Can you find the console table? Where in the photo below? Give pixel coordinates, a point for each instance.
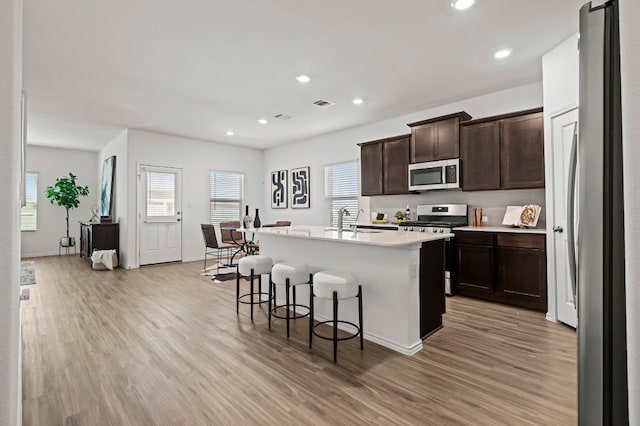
(98, 236)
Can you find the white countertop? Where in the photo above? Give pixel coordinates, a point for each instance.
(373, 237)
(502, 229)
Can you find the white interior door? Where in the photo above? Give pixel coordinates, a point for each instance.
(563, 127)
(160, 214)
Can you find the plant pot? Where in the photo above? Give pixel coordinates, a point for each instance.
(68, 242)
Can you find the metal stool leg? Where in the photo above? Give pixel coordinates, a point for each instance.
(251, 294)
(270, 293)
(294, 301)
(260, 288)
(310, 314)
(360, 316)
(287, 285)
(237, 290)
(335, 326)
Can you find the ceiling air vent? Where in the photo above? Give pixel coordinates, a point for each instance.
(282, 116)
(323, 103)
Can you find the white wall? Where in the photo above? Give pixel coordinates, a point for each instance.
(51, 163)
(196, 158)
(118, 147)
(560, 75)
(630, 62)
(342, 146)
(560, 68)
(10, 85)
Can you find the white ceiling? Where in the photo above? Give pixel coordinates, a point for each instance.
(198, 68)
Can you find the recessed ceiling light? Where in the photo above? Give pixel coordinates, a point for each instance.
(230, 133)
(358, 101)
(503, 53)
(462, 4)
(262, 121)
(303, 78)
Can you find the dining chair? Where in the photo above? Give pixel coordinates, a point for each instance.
(211, 243)
(229, 236)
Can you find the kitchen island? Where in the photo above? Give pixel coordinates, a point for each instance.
(401, 273)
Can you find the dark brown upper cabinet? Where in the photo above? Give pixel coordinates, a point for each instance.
(384, 166)
(503, 152)
(371, 169)
(480, 156)
(522, 152)
(437, 138)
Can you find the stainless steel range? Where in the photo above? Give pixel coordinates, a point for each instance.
(440, 218)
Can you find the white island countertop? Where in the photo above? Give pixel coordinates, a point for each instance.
(502, 229)
(372, 237)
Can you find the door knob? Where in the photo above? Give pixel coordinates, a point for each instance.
(178, 219)
(557, 229)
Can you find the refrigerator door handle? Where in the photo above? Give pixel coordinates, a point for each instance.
(571, 198)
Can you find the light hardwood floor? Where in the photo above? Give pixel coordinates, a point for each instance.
(163, 345)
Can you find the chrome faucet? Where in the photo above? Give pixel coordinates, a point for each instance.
(341, 212)
(355, 225)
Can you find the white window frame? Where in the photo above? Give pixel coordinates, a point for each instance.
(212, 200)
(329, 218)
(35, 207)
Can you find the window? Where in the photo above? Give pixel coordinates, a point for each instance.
(226, 190)
(28, 213)
(161, 194)
(341, 190)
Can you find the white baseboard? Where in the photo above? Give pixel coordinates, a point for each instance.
(45, 254)
(551, 317)
(395, 346)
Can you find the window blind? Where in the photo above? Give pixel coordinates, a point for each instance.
(161, 194)
(226, 191)
(28, 213)
(341, 189)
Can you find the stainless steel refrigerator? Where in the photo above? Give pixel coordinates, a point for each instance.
(598, 214)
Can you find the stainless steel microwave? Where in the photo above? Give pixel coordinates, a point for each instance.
(444, 174)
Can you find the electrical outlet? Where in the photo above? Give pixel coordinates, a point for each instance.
(485, 218)
(413, 270)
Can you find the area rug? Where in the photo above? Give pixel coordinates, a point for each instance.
(27, 272)
(224, 274)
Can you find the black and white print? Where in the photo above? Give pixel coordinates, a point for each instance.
(300, 188)
(279, 189)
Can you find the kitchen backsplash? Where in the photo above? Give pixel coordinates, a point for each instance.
(493, 203)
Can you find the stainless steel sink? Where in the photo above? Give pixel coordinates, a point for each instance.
(360, 231)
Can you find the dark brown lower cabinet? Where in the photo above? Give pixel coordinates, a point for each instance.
(522, 270)
(98, 236)
(506, 268)
(432, 303)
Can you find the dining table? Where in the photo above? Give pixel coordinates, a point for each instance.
(246, 245)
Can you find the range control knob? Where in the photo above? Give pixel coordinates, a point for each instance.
(422, 229)
(434, 230)
(442, 230)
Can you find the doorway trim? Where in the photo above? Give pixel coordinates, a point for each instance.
(549, 164)
(140, 204)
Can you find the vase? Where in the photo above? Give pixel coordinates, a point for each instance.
(246, 217)
(256, 222)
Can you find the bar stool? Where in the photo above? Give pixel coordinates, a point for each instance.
(251, 266)
(289, 275)
(335, 286)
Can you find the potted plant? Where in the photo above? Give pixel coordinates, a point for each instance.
(66, 193)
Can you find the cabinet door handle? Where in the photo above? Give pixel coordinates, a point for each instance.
(557, 229)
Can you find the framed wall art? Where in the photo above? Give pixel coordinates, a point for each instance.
(279, 199)
(300, 198)
(107, 189)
